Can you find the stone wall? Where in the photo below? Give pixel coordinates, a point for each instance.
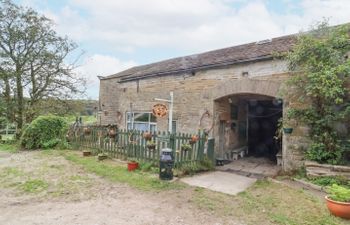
(193, 95)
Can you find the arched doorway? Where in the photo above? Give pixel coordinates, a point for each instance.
(248, 112)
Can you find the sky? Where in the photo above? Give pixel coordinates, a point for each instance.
(114, 35)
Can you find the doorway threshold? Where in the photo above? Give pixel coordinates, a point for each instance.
(254, 167)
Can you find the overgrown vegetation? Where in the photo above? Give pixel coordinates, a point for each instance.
(321, 67)
(194, 167)
(329, 181)
(8, 147)
(44, 132)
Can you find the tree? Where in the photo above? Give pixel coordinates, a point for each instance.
(321, 67)
(33, 61)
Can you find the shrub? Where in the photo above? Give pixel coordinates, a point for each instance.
(44, 132)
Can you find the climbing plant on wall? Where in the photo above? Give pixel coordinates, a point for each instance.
(320, 68)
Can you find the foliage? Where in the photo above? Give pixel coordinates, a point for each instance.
(64, 107)
(328, 181)
(44, 132)
(34, 186)
(320, 67)
(33, 59)
(8, 147)
(192, 168)
(186, 147)
(339, 193)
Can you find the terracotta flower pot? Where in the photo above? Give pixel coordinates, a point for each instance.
(132, 166)
(147, 136)
(340, 209)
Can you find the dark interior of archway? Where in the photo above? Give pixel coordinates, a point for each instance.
(263, 122)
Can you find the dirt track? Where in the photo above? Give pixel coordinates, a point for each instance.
(77, 197)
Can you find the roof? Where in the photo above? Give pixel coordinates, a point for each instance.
(255, 51)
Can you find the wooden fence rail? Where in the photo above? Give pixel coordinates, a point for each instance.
(131, 144)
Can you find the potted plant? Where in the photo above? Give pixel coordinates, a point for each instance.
(87, 130)
(132, 165)
(151, 145)
(147, 136)
(186, 147)
(112, 132)
(102, 156)
(338, 201)
(194, 139)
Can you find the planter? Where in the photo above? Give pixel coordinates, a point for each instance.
(112, 133)
(133, 166)
(86, 153)
(287, 130)
(340, 209)
(101, 156)
(151, 147)
(147, 136)
(87, 130)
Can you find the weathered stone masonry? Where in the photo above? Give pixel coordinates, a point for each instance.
(195, 92)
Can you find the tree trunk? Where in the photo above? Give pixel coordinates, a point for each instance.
(7, 96)
(20, 100)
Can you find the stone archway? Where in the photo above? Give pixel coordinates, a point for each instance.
(227, 91)
(250, 86)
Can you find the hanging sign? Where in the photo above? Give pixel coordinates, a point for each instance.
(160, 110)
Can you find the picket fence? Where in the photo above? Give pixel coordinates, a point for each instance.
(132, 145)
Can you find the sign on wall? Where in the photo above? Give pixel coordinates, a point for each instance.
(160, 110)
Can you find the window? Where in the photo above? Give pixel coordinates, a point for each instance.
(144, 121)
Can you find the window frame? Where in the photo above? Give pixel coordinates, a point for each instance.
(130, 120)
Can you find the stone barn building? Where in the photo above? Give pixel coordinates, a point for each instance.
(232, 93)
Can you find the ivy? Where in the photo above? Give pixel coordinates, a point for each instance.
(320, 69)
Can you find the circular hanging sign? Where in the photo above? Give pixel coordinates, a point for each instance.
(160, 110)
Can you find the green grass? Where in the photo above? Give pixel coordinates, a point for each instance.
(8, 147)
(7, 137)
(11, 172)
(34, 186)
(117, 173)
(268, 203)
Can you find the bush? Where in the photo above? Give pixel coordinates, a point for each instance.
(44, 132)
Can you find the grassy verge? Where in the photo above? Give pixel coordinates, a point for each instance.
(268, 203)
(113, 172)
(8, 147)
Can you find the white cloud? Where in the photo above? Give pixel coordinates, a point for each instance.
(189, 26)
(185, 26)
(100, 65)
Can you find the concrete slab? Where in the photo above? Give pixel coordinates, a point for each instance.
(227, 183)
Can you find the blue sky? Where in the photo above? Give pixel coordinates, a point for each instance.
(118, 34)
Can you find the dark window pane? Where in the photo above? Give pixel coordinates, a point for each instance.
(153, 118)
(141, 117)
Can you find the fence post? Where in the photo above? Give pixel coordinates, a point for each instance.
(172, 144)
(210, 150)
